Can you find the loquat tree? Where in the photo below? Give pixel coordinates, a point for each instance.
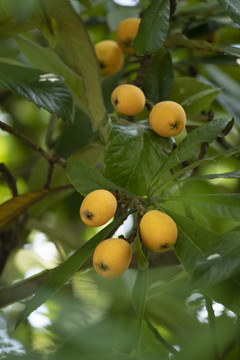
(119, 179)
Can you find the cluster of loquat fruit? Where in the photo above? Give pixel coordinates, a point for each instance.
(112, 257)
(157, 230)
(166, 118)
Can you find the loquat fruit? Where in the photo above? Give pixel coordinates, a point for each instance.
(110, 57)
(112, 257)
(167, 118)
(158, 231)
(98, 207)
(128, 99)
(126, 32)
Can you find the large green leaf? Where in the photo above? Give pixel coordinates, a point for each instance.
(192, 94)
(86, 179)
(158, 80)
(232, 8)
(64, 272)
(134, 155)
(195, 240)
(225, 206)
(222, 263)
(190, 145)
(67, 34)
(153, 28)
(44, 90)
(47, 60)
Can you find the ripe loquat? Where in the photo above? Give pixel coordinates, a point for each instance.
(110, 57)
(158, 231)
(98, 207)
(126, 32)
(112, 257)
(167, 118)
(128, 99)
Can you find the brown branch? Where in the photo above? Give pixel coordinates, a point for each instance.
(142, 70)
(9, 178)
(25, 288)
(53, 158)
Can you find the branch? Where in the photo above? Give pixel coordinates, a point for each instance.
(9, 178)
(53, 158)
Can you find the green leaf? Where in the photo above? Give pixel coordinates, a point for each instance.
(228, 175)
(190, 145)
(180, 41)
(232, 8)
(44, 90)
(71, 42)
(222, 263)
(139, 294)
(16, 206)
(64, 272)
(193, 240)
(134, 155)
(192, 94)
(15, 17)
(47, 60)
(75, 136)
(225, 206)
(153, 28)
(158, 81)
(86, 179)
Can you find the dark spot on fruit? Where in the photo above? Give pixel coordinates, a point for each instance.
(175, 126)
(164, 246)
(128, 42)
(103, 267)
(102, 65)
(116, 102)
(88, 215)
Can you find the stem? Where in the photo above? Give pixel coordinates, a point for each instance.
(159, 337)
(9, 178)
(212, 326)
(48, 156)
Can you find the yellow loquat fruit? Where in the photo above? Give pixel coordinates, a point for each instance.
(98, 207)
(167, 118)
(112, 257)
(126, 32)
(128, 99)
(110, 57)
(158, 231)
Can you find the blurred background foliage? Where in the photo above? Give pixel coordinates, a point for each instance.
(90, 317)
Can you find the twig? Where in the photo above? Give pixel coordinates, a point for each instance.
(142, 70)
(9, 178)
(48, 156)
(159, 337)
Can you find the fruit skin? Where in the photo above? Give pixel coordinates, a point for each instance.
(158, 231)
(98, 207)
(110, 57)
(112, 257)
(126, 32)
(167, 118)
(128, 99)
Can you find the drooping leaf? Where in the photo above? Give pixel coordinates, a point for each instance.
(64, 272)
(15, 17)
(159, 77)
(222, 263)
(227, 175)
(134, 154)
(16, 206)
(153, 28)
(70, 40)
(86, 179)
(193, 242)
(44, 90)
(192, 94)
(232, 8)
(190, 145)
(47, 60)
(225, 206)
